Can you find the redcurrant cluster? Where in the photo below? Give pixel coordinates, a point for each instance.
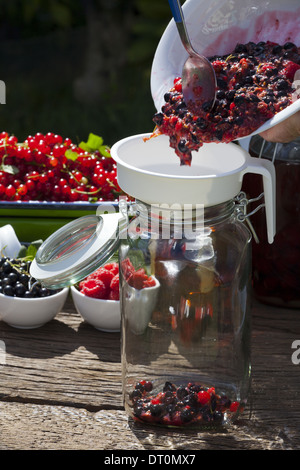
(51, 168)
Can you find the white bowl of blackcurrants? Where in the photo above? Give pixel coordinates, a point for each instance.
(24, 302)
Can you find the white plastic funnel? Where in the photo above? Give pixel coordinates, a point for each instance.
(149, 171)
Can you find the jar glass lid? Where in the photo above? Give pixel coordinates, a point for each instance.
(76, 250)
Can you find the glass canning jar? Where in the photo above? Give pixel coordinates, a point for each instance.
(186, 337)
(276, 267)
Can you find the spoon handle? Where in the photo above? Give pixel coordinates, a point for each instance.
(181, 26)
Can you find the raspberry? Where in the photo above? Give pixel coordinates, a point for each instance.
(114, 295)
(102, 283)
(127, 268)
(114, 267)
(103, 275)
(290, 70)
(94, 288)
(114, 285)
(137, 279)
(150, 282)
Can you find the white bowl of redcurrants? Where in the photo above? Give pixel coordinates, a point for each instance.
(24, 303)
(96, 298)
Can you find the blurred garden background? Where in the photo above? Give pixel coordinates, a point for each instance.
(78, 66)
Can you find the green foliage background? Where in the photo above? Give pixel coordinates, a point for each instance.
(45, 46)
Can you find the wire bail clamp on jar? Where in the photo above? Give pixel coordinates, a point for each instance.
(242, 203)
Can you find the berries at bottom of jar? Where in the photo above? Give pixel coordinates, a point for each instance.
(190, 405)
(15, 280)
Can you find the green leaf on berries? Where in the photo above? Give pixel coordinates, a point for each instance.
(11, 169)
(105, 150)
(84, 146)
(70, 155)
(31, 252)
(28, 252)
(94, 141)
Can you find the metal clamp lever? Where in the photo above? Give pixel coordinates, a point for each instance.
(241, 210)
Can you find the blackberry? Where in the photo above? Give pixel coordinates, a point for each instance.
(220, 94)
(181, 107)
(158, 118)
(138, 410)
(195, 388)
(169, 387)
(289, 46)
(190, 399)
(186, 415)
(222, 84)
(206, 106)
(194, 138)
(201, 123)
(282, 85)
(135, 394)
(241, 48)
(258, 50)
(218, 417)
(277, 49)
(238, 120)
(169, 397)
(181, 392)
(182, 146)
(170, 409)
(248, 80)
(156, 409)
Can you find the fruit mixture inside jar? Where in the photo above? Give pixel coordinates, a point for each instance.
(181, 406)
(254, 82)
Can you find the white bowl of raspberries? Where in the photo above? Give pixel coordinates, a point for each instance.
(96, 298)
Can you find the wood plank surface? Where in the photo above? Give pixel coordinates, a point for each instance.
(61, 389)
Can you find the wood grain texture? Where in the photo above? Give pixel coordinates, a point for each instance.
(60, 389)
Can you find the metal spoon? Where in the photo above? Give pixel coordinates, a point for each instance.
(198, 76)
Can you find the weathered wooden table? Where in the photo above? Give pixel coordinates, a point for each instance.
(60, 389)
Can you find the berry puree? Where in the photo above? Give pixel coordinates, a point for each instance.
(254, 82)
(182, 406)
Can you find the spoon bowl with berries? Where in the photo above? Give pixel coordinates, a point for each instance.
(198, 75)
